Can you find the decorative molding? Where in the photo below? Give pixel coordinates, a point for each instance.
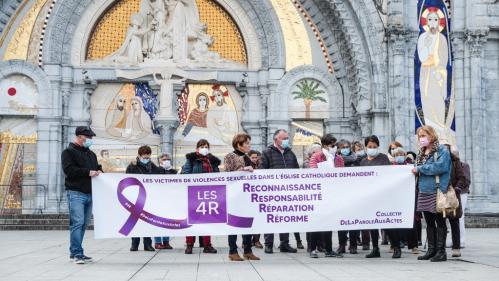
(476, 39)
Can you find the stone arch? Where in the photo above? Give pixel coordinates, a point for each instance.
(63, 29)
(358, 59)
(280, 100)
(36, 74)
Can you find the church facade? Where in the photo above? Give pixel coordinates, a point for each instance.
(167, 73)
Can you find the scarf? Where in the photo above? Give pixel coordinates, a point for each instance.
(422, 157)
(247, 160)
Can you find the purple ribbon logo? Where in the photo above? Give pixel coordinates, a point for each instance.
(137, 211)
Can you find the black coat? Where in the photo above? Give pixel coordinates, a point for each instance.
(272, 158)
(77, 162)
(194, 164)
(137, 167)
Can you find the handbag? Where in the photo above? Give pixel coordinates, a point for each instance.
(447, 203)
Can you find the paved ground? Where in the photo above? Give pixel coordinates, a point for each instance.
(42, 255)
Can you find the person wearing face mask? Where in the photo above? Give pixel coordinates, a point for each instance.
(360, 152)
(199, 162)
(165, 164)
(143, 165)
(459, 181)
(279, 156)
(80, 165)
(433, 160)
(238, 160)
(256, 163)
(351, 160)
(327, 153)
(409, 234)
(375, 158)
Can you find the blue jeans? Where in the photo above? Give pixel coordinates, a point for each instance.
(160, 240)
(80, 211)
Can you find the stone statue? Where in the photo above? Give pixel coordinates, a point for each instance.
(168, 33)
(131, 49)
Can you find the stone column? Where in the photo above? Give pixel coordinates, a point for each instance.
(458, 40)
(398, 92)
(480, 192)
(168, 123)
(251, 111)
(49, 141)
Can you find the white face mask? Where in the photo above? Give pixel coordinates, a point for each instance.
(167, 164)
(204, 151)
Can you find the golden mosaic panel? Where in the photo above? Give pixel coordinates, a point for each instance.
(111, 29)
(19, 43)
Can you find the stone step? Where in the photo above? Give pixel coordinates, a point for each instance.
(36, 222)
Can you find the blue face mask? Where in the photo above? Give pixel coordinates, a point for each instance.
(88, 143)
(345, 151)
(145, 161)
(373, 152)
(285, 143)
(400, 159)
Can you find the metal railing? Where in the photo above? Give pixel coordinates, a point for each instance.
(33, 199)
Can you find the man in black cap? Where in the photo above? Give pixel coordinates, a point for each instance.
(79, 164)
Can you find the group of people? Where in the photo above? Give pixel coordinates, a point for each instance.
(436, 166)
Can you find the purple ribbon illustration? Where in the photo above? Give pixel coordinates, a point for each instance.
(137, 210)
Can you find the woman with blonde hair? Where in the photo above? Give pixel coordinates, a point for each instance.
(433, 163)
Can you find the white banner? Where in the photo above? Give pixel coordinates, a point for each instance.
(265, 201)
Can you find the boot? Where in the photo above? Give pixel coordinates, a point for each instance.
(235, 257)
(441, 254)
(431, 235)
(209, 250)
(251, 257)
(188, 250)
(374, 253)
(341, 249)
(299, 245)
(397, 253)
(159, 246)
(148, 248)
(167, 246)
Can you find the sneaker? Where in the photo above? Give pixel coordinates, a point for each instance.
(286, 248)
(87, 259)
(313, 254)
(299, 245)
(415, 251)
(79, 260)
(333, 254)
(456, 253)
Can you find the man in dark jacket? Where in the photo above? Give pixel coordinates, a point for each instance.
(79, 164)
(143, 165)
(279, 156)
